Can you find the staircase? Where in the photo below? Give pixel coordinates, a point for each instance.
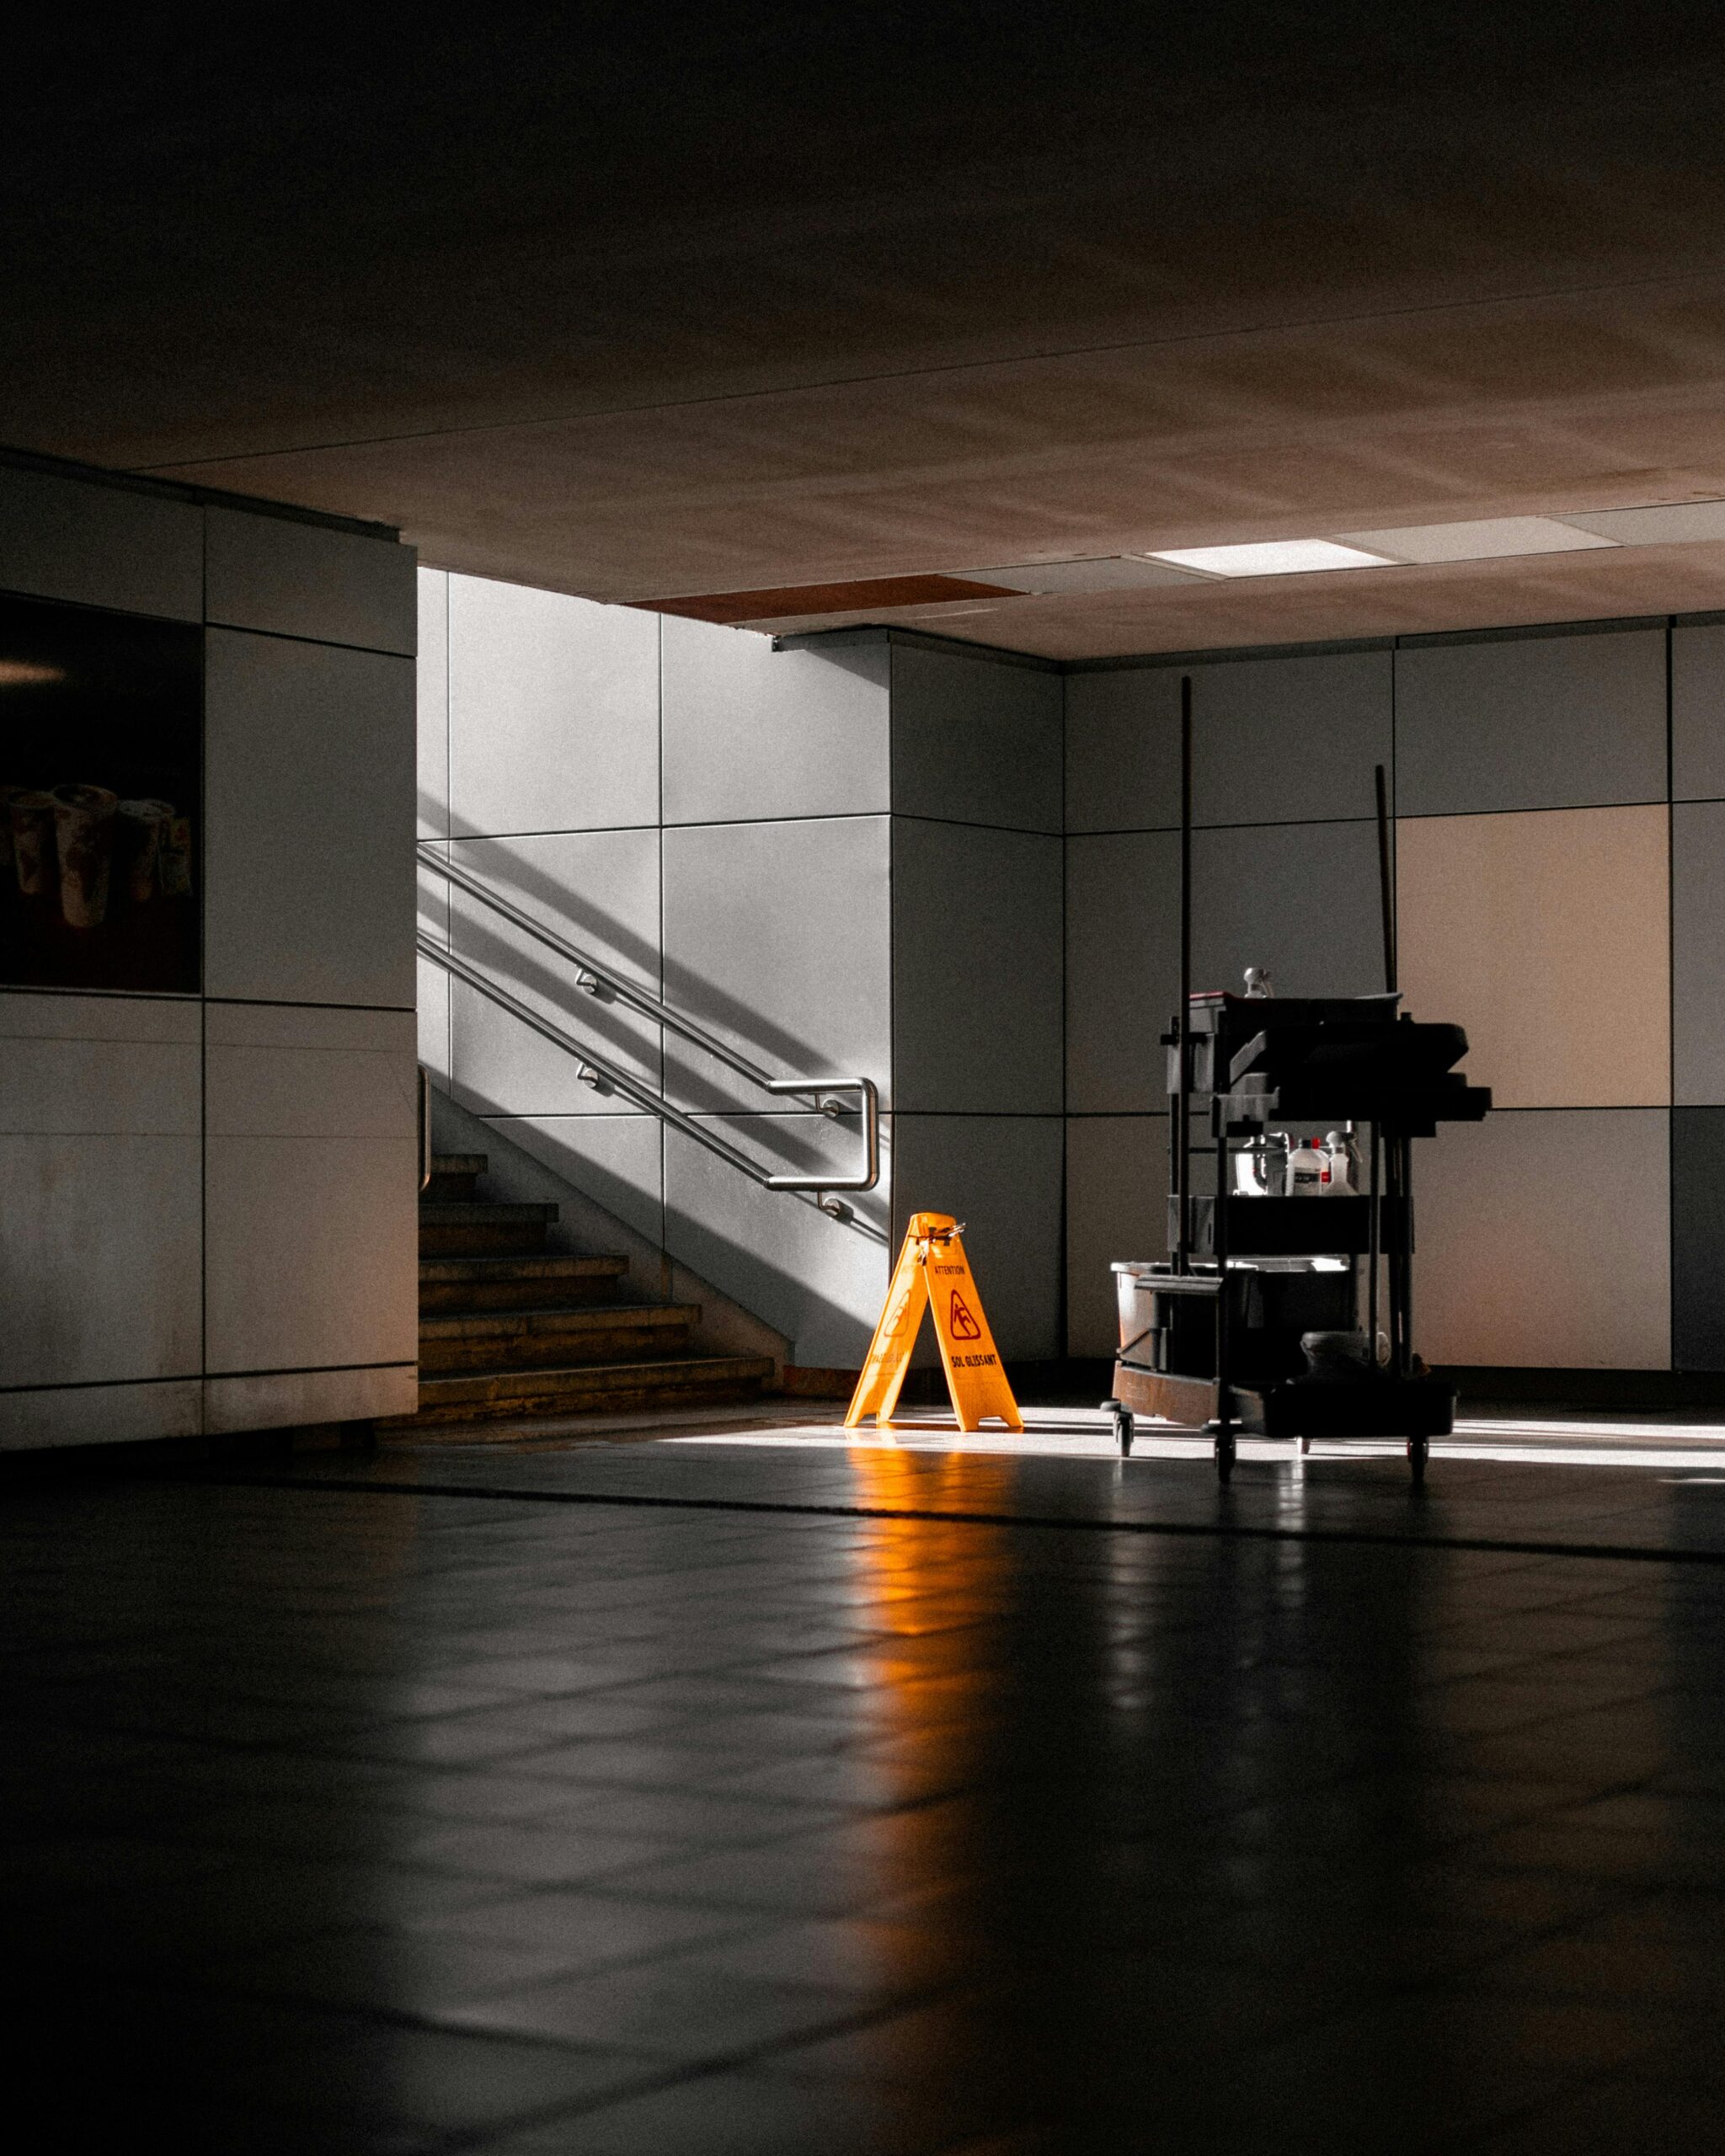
(509, 1329)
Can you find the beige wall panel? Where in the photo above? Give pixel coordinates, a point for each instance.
(1544, 1240)
(1547, 935)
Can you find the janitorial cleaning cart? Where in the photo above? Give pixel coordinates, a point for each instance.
(1286, 1309)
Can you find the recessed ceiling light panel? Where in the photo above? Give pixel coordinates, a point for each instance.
(1272, 557)
(1482, 539)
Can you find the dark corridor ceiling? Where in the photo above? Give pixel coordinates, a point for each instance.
(641, 309)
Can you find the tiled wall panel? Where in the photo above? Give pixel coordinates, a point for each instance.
(96, 546)
(294, 579)
(309, 784)
(311, 1173)
(1117, 1191)
(432, 673)
(1290, 740)
(976, 969)
(819, 1281)
(1698, 1239)
(1274, 741)
(750, 731)
(1300, 900)
(976, 740)
(1545, 1241)
(1698, 712)
(1552, 722)
(1122, 956)
(1123, 750)
(600, 892)
(100, 1189)
(553, 711)
(1698, 954)
(1000, 1176)
(776, 939)
(616, 1160)
(1546, 937)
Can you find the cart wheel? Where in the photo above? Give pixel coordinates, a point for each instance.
(1224, 1458)
(1123, 1432)
(1418, 1449)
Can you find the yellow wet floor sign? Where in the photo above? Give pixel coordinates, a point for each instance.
(934, 1273)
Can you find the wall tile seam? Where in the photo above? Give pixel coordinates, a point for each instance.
(1258, 823)
(319, 643)
(102, 606)
(561, 831)
(289, 1370)
(298, 1003)
(102, 1385)
(970, 824)
(188, 997)
(195, 1377)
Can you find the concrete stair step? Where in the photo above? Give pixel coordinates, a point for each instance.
(453, 1176)
(472, 1227)
(587, 1388)
(475, 1341)
(516, 1283)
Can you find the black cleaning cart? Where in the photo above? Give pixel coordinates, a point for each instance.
(1268, 1319)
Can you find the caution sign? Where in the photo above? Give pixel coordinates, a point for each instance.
(934, 1273)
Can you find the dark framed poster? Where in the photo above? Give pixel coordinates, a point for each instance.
(101, 799)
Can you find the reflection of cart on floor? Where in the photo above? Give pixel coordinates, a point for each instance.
(1290, 1315)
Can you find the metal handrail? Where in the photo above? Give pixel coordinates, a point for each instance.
(595, 1069)
(595, 976)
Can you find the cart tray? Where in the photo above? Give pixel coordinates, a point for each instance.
(1299, 1408)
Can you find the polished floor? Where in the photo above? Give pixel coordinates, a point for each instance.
(745, 1790)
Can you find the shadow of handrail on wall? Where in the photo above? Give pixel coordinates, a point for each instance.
(572, 913)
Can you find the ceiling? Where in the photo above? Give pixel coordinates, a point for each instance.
(804, 298)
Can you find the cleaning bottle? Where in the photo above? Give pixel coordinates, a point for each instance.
(1337, 1180)
(1305, 1168)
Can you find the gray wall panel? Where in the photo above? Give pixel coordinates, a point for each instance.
(616, 1160)
(311, 1173)
(1698, 712)
(432, 673)
(599, 890)
(777, 937)
(1290, 740)
(1563, 722)
(1123, 750)
(1117, 1206)
(975, 740)
(100, 1189)
(1002, 1176)
(294, 579)
(309, 791)
(1698, 954)
(553, 711)
(818, 1281)
(1698, 1239)
(1299, 898)
(100, 546)
(1122, 958)
(976, 969)
(751, 732)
